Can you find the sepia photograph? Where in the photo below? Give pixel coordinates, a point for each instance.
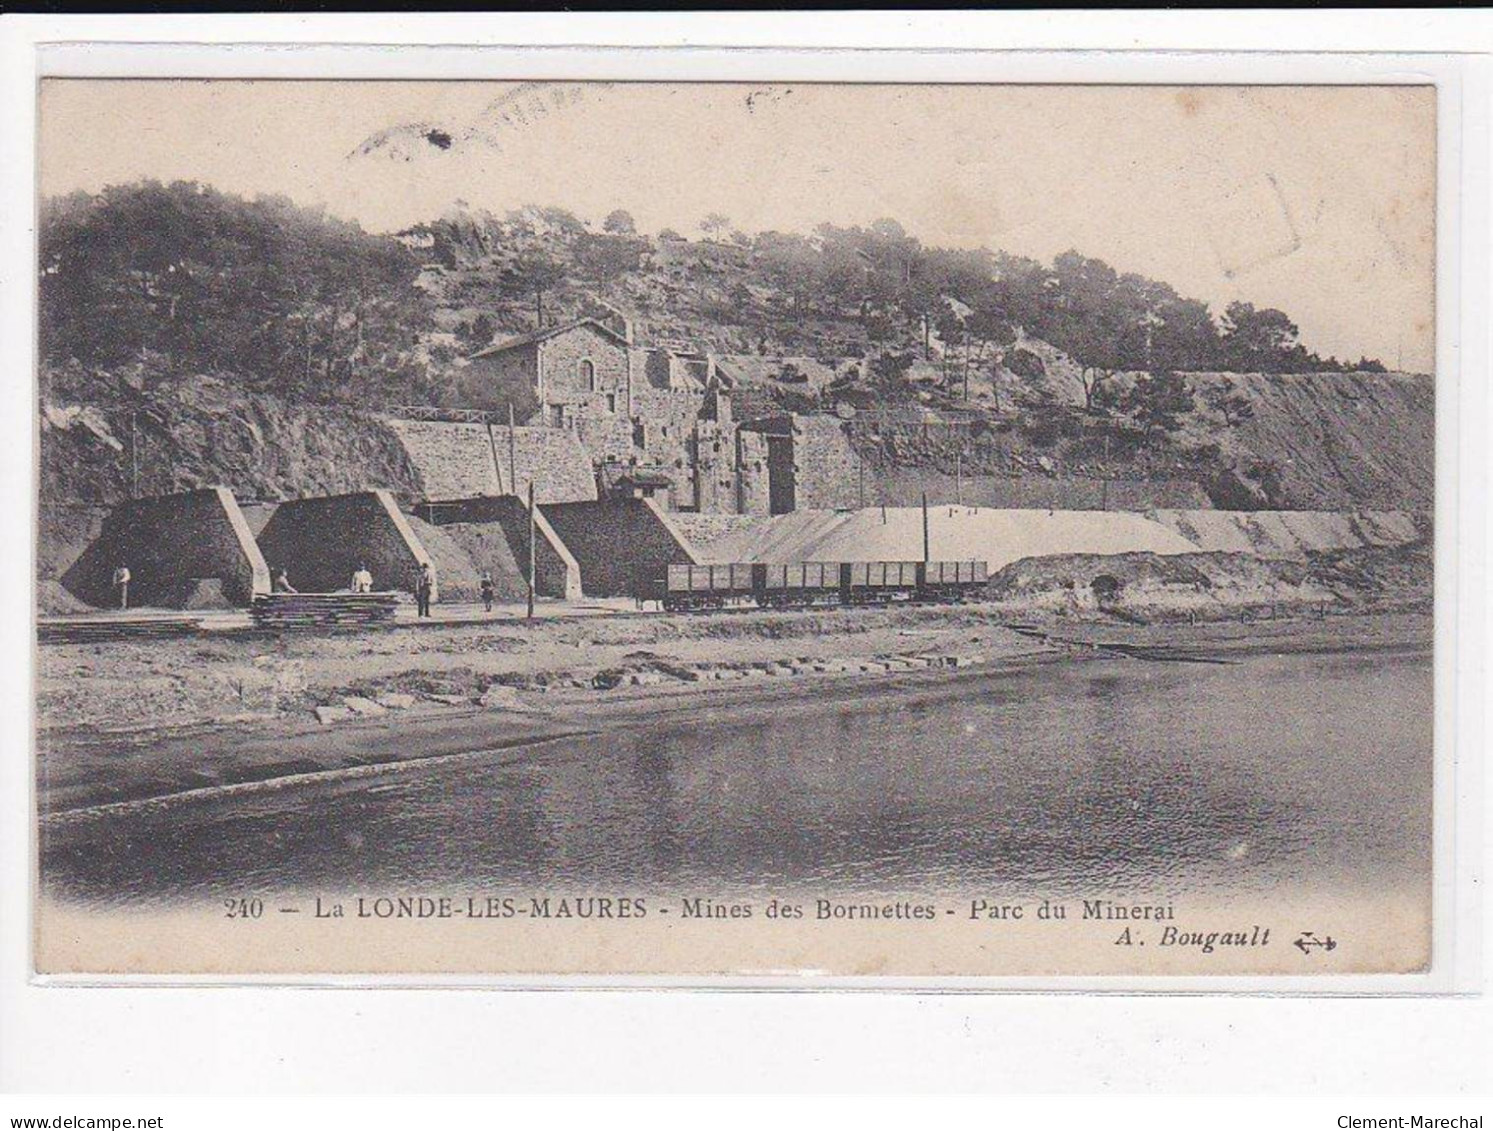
(732, 530)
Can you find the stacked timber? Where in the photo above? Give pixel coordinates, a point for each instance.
(111, 631)
(283, 612)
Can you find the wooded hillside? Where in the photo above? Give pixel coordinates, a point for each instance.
(168, 304)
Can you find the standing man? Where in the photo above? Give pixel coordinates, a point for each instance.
(122, 583)
(362, 580)
(423, 588)
(487, 590)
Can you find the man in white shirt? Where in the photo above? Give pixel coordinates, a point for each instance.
(122, 583)
(362, 580)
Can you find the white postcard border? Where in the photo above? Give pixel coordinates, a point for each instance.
(1462, 409)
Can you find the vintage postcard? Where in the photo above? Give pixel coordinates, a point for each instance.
(710, 529)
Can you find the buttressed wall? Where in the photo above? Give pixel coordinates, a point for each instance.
(320, 542)
(556, 572)
(494, 531)
(616, 541)
(169, 542)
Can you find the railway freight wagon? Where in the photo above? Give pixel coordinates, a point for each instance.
(802, 584)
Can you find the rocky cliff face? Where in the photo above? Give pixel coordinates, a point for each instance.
(205, 431)
(1338, 441)
(1318, 441)
(1327, 441)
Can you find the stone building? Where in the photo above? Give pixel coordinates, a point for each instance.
(655, 409)
(795, 461)
(562, 377)
(663, 414)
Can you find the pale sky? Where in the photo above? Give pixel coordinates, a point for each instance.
(1316, 200)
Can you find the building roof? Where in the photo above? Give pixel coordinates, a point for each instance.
(534, 336)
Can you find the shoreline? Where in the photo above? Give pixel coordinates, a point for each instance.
(90, 770)
(378, 743)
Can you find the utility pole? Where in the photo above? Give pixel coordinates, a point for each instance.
(532, 532)
(512, 457)
(959, 478)
(860, 463)
(134, 459)
(925, 528)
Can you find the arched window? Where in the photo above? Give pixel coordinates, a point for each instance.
(588, 375)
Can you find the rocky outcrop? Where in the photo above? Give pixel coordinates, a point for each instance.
(1324, 441)
(207, 430)
(1204, 586)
